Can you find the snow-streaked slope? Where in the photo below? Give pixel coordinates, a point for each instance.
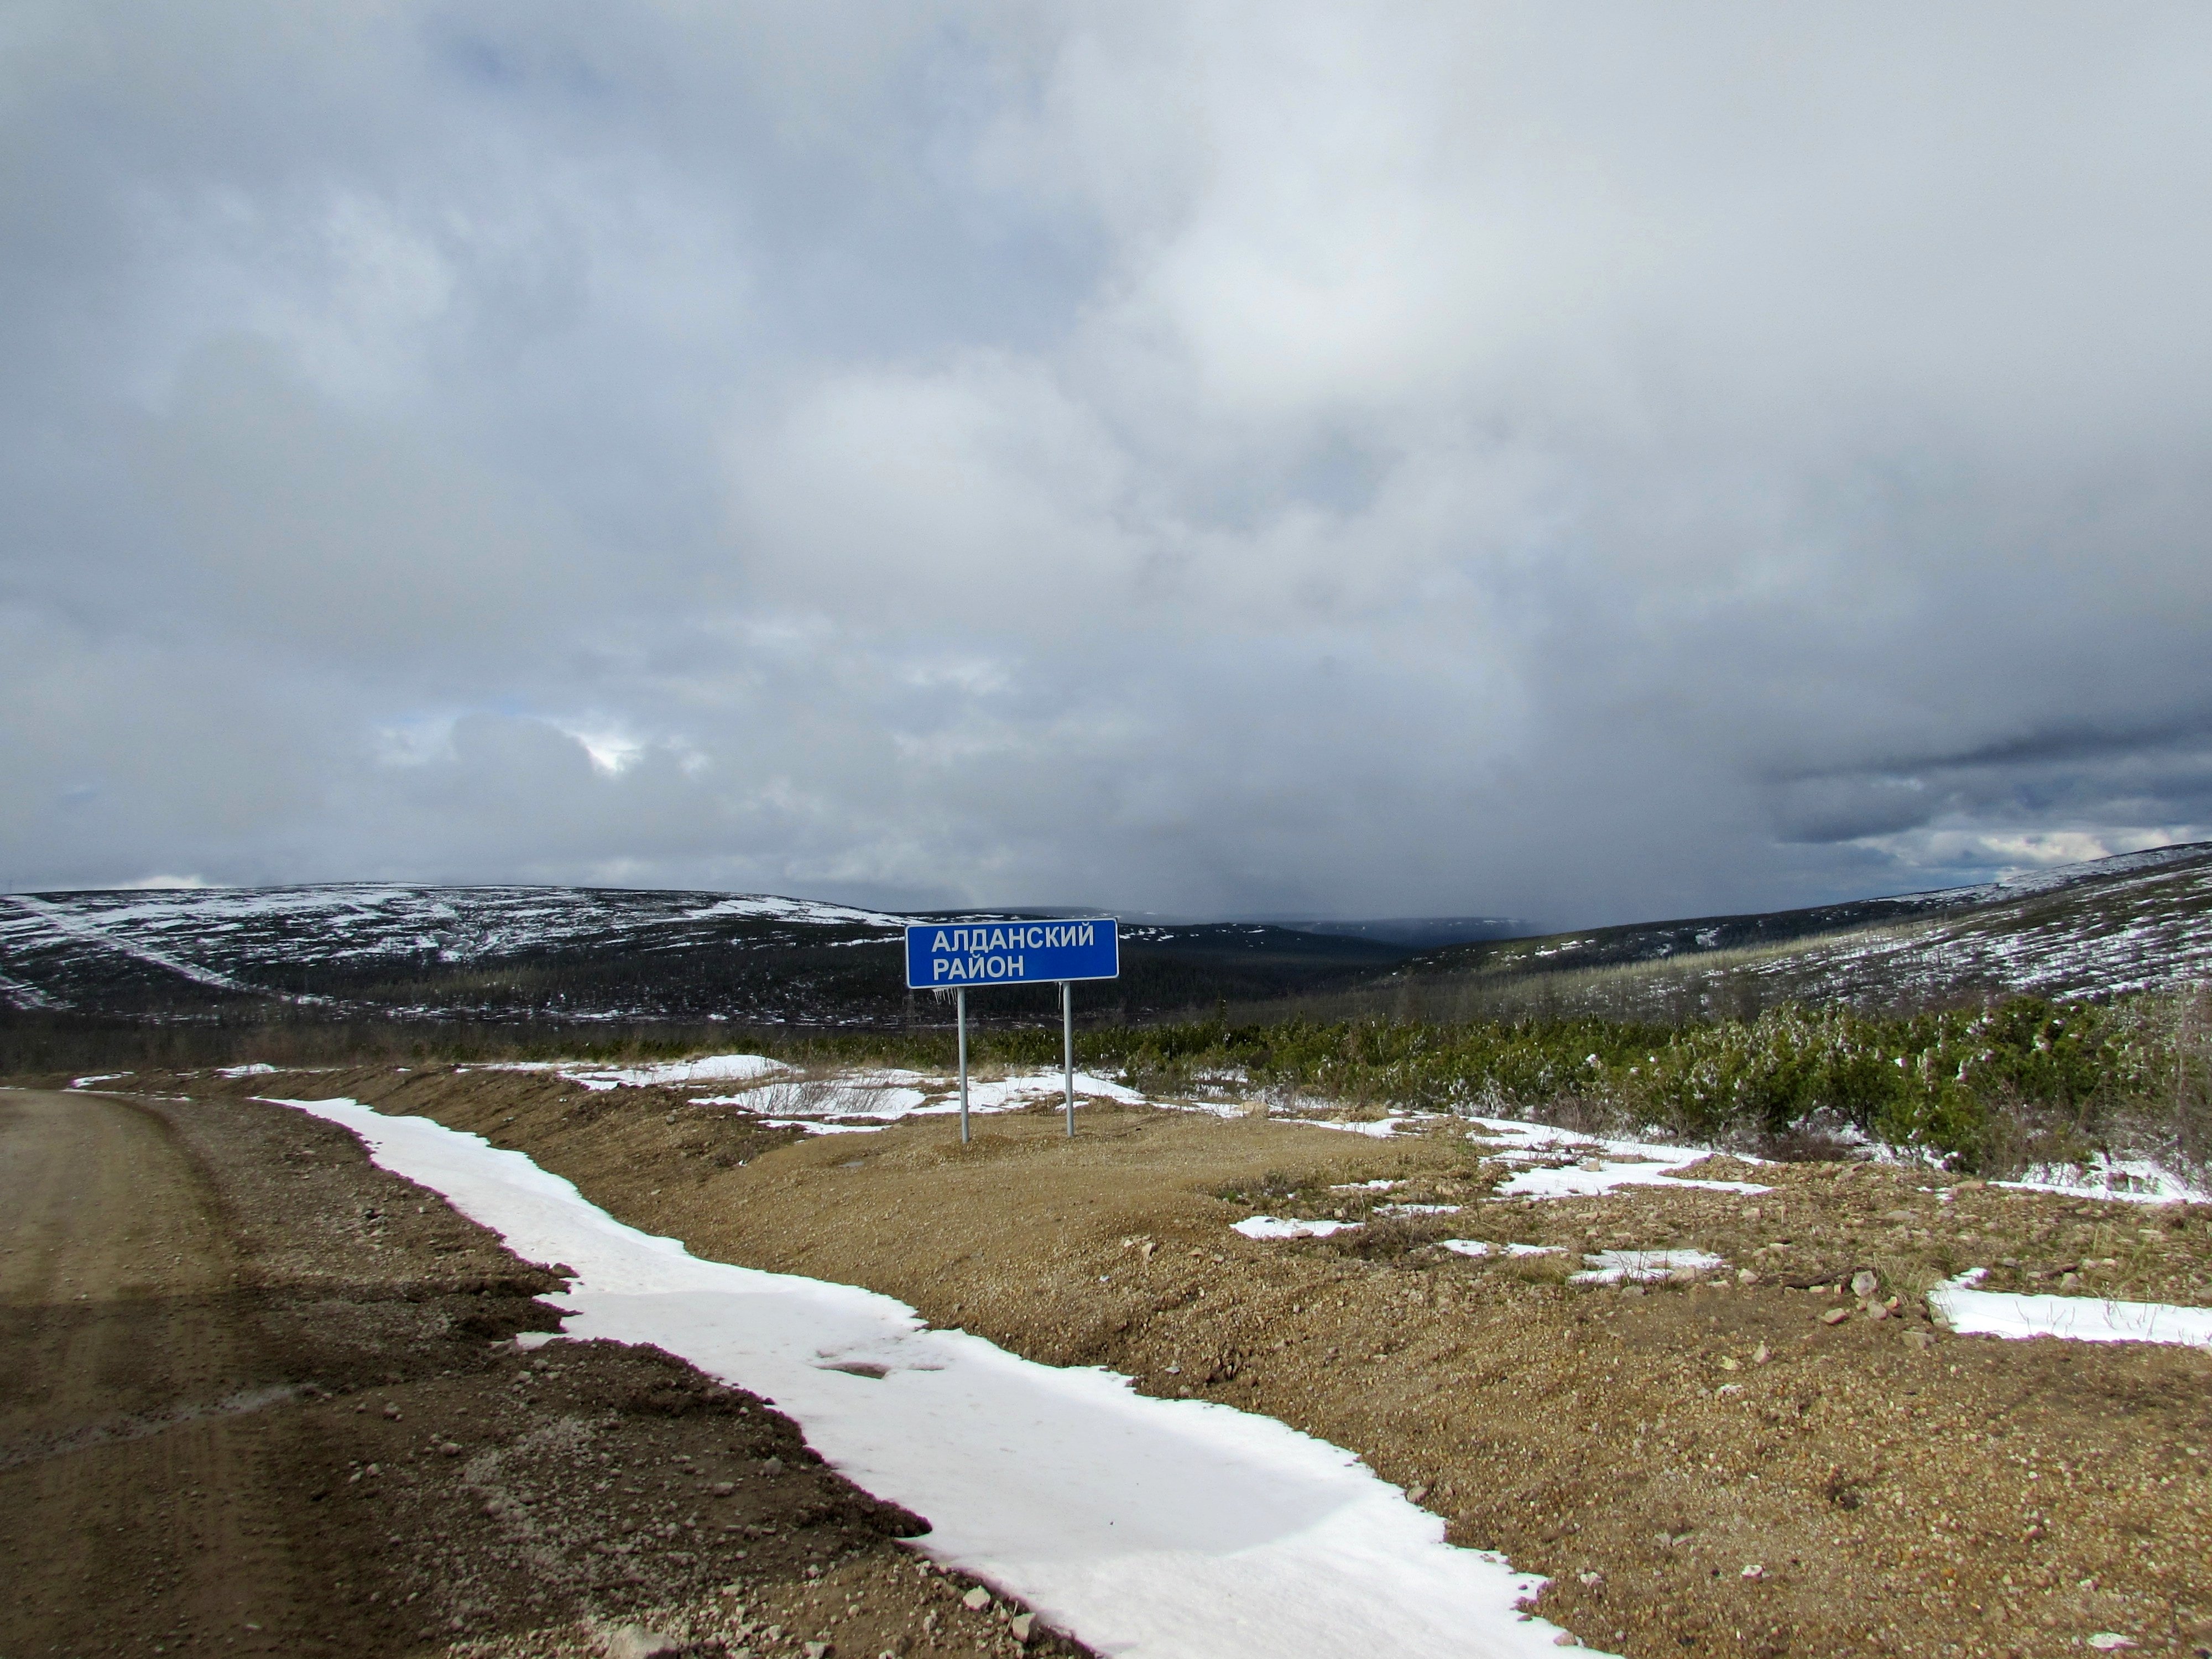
(2139, 922)
(96, 948)
(2127, 933)
(567, 954)
(1148, 1528)
(274, 925)
(561, 953)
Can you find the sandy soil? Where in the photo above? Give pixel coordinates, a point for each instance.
(1706, 1467)
(259, 1397)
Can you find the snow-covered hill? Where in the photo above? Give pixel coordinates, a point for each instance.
(72, 949)
(2132, 922)
(559, 953)
(564, 954)
(2129, 929)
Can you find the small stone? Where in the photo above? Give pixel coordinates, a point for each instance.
(1745, 1276)
(1591, 1579)
(1920, 1341)
(1754, 1572)
(1835, 1316)
(1761, 1354)
(976, 1599)
(1022, 1624)
(450, 1449)
(392, 1412)
(1875, 1310)
(1865, 1283)
(724, 1488)
(818, 1650)
(1566, 1638)
(771, 1466)
(1727, 1362)
(1415, 1494)
(636, 1642)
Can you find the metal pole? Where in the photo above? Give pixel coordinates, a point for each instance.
(960, 1002)
(1067, 1050)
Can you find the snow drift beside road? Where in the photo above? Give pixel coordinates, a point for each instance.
(1147, 1528)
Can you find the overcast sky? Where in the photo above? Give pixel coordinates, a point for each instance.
(1582, 463)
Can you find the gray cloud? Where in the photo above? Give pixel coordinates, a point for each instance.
(1206, 458)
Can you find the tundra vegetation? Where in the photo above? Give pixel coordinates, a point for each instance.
(1991, 1091)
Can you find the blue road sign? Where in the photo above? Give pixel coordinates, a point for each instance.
(944, 956)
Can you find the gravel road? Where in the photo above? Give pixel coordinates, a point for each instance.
(258, 1396)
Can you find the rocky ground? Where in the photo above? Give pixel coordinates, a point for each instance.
(259, 1397)
(1713, 1464)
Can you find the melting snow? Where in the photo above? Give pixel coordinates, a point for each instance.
(1483, 1246)
(2135, 1181)
(1010, 1094)
(862, 1097)
(1276, 1226)
(1602, 1165)
(814, 1128)
(1380, 1130)
(1612, 1266)
(1150, 1529)
(2080, 1318)
(600, 1078)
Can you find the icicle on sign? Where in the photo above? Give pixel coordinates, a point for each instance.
(946, 956)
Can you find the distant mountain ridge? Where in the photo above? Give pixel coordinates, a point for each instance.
(566, 953)
(597, 954)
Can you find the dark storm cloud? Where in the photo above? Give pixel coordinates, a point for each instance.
(1196, 458)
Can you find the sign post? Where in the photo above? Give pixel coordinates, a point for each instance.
(953, 955)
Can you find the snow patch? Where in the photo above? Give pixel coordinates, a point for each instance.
(1598, 1166)
(2078, 1318)
(1380, 1130)
(600, 1078)
(813, 1128)
(851, 1096)
(1150, 1529)
(1276, 1226)
(2134, 1181)
(1613, 1267)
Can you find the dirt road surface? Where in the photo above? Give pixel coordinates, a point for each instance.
(259, 1397)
